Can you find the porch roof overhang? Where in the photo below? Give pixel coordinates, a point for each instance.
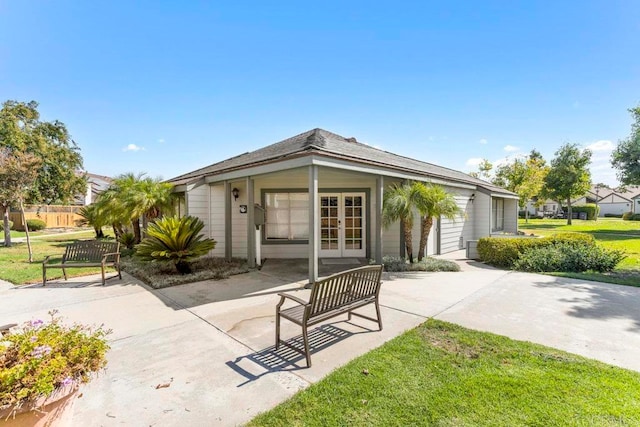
(324, 160)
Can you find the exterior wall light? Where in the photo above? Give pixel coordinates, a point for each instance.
(236, 193)
(473, 197)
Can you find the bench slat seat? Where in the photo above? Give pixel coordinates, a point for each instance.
(337, 294)
(88, 253)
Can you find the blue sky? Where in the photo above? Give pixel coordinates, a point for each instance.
(167, 87)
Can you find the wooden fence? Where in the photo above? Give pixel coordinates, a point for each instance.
(54, 216)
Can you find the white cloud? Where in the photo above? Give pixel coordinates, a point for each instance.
(483, 141)
(133, 147)
(602, 145)
(474, 161)
(161, 141)
(510, 148)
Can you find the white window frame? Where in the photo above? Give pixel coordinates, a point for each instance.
(497, 214)
(271, 213)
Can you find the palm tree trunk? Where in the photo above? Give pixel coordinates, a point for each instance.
(569, 212)
(26, 231)
(408, 243)
(136, 229)
(425, 229)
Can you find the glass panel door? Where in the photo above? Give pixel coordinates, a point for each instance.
(353, 229)
(342, 225)
(329, 225)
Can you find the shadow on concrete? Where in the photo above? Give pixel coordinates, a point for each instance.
(297, 269)
(595, 300)
(269, 360)
(60, 283)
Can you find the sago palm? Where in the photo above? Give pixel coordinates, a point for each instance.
(176, 240)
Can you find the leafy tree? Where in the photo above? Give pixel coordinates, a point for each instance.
(90, 216)
(524, 177)
(399, 204)
(22, 131)
(484, 170)
(18, 172)
(432, 201)
(569, 175)
(626, 156)
(177, 240)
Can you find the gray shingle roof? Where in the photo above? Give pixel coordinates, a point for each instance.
(319, 141)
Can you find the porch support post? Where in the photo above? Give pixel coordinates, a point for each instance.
(313, 224)
(378, 231)
(251, 227)
(228, 244)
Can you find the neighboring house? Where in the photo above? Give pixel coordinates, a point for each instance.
(614, 203)
(96, 184)
(322, 196)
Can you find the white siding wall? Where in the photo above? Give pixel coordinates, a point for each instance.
(217, 219)
(510, 216)
(482, 215)
(198, 205)
(462, 227)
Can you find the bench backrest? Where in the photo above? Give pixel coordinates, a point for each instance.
(345, 288)
(89, 250)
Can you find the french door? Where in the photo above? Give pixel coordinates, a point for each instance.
(342, 225)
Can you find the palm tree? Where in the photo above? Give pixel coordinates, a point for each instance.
(432, 201)
(131, 197)
(399, 204)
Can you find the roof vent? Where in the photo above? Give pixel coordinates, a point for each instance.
(352, 139)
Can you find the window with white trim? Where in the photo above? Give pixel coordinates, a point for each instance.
(287, 216)
(497, 214)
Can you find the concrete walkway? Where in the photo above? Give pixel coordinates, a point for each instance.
(202, 354)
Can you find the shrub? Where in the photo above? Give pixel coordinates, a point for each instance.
(627, 216)
(128, 240)
(591, 209)
(40, 358)
(568, 257)
(635, 217)
(36, 224)
(175, 240)
(426, 264)
(504, 251)
(612, 215)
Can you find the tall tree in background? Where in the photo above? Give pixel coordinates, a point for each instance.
(484, 170)
(525, 177)
(626, 156)
(18, 172)
(57, 179)
(569, 175)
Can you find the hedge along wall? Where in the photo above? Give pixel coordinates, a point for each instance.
(504, 251)
(591, 209)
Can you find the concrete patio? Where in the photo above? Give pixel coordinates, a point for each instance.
(209, 345)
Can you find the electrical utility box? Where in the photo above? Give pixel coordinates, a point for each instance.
(258, 215)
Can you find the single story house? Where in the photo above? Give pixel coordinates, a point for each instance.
(319, 195)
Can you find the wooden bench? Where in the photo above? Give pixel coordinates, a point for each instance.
(87, 253)
(337, 294)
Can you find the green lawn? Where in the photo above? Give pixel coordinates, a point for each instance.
(612, 233)
(15, 268)
(445, 375)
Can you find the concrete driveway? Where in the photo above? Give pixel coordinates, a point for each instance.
(202, 354)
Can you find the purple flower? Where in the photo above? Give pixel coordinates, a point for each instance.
(40, 351)
(33, 338)
(36, 323)
(67, 381)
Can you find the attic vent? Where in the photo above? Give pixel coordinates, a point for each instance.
(352, 139)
